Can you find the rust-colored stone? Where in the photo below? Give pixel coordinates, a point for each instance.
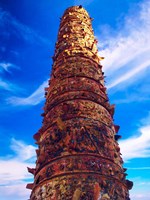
(78, 157)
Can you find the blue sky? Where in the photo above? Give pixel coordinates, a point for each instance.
(27, 40)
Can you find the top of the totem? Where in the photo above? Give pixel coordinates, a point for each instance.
(78, 9)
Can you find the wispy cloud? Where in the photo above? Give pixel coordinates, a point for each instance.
(11, 26)
(140, 196)
(5, 84)
(19, 160)
(24, 152)
(138, 146)
(127, 52)
(13, 170)
(11, 29)
(35, 98)
(6, 66)
(14, 192)
(140, 190)
(129, 74)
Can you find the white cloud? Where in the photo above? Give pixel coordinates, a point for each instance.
(6, 65)
(137, 146)
(127, 52)
(35, 98)
(140, 190)
(11, 27)
(6, 85)
(128, 75)
(139, 196)
(14, 192)
(13, 171)
(24, 152)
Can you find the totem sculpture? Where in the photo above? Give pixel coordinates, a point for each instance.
(78, 157)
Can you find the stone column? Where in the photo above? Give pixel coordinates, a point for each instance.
(78, 157)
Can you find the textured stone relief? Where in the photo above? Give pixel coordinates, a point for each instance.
(79, 108)
(85, 187)
(78, 157)
(80, 164)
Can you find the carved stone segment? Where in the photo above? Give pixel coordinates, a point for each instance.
(89, 186)
(78, 157)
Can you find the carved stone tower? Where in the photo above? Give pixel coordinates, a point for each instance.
(78, 157)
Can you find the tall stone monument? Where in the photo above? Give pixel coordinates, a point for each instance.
(78, 157)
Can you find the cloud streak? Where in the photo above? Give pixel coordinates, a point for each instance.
(128, 75)
(13, 171)
(140, 190)
(5, 84)
(5, 66)
(8, 86)
(35, 98)
(138, 146)
(140, 196)
(127, 52)
(14, 192)
(24, 152)
(13, 29)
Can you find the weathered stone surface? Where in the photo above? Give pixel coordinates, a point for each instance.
(78, 157)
